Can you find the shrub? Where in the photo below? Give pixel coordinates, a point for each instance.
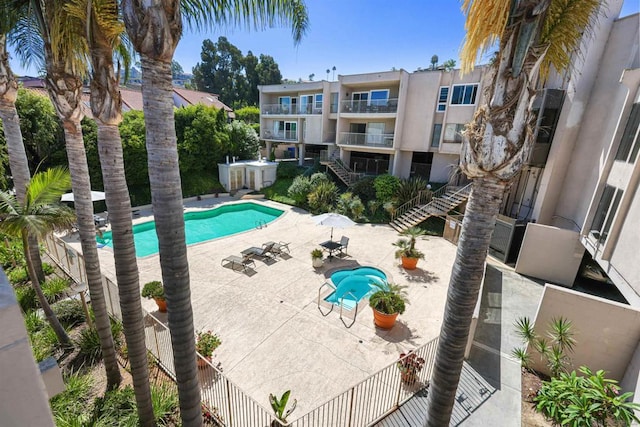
(323, 197)
(299, 189)
(287, 170)
(27, 298)
(165, 404)
(585, 400)
(70, 407)
(386, 186)
(364, 189)
(47, 268)
(318, 178)
(54, 289)
(69, 312)
(11, 253)
(33, 322)
(409, 189)
(207, 342)
(43, 343)
(350, 206)
(18, 275)
(116, 405)
(153, 290)
(89, 342)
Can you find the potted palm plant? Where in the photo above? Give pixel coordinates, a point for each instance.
(154, 290)
(407, 248)
(387, 302)
(316, 258)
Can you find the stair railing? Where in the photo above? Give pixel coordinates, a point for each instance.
(424, 197)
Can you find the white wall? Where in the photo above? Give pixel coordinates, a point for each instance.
(442, 166)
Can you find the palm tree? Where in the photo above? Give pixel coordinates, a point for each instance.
(11, 125)
(64, 59)
(533, 36)
(37, 215)
(155, 29)
(102, 32)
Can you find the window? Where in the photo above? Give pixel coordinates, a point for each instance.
(442, 98)
(630, 143)
(607, 209)
(318, 104)
(379, 97)
(464, 94)
(435, 137)
(285, 130)
(334, 102)
(453, 133)
(306, 104)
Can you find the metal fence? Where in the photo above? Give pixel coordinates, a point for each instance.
(363, 404)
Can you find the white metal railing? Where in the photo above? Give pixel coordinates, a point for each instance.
(367, 139)
(287, 109)
(370, 106)
(368, 401)
(283, 135)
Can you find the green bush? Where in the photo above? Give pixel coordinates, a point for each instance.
(48, 269)
(89, 342)
(54, 289)
(318, 178)
(11, 252)
(299, 189)
(386, 187)
(364, 189)
(43, 343)
(117, 405)
(72, 407)
(409, 189)
(323, 197)
(69, 312)
(585, 400)
(288, 170)
(350, 205)
(27, 298)
(18, 275)
(33, 322)
(165, 404)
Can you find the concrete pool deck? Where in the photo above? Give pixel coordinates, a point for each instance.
(274, 338)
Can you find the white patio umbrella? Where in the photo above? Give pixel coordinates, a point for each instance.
(333, 220)
(95, 196)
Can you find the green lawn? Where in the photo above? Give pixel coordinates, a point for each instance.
(278, 191)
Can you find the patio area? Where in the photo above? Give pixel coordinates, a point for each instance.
(274, 338)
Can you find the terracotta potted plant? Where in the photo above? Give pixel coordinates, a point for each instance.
(316, 258)
(206, 343)
(154, 290)
(407, 248)
(387, 302)
(409, 365)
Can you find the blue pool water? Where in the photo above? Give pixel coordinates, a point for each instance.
(353, 285)
(202, 225)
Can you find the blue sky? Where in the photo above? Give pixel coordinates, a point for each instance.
(355, 36)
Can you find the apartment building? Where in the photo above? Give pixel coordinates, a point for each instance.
(397, 122)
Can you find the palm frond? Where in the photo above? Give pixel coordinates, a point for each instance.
(250, 14)
(485, 23)
(65, 32)
(26, 41)
(566, 23)
(46, 187)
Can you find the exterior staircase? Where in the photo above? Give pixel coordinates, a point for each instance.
(342, 171)
(436, 203)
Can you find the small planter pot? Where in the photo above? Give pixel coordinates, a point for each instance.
(201, 361)
(409, 263)
(162, 304)
(384, 321)
(317, 262)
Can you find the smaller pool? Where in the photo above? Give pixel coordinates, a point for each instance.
(355, 284)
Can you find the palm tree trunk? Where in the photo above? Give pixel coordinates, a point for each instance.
(63, 338)
(18, 162)
(124, 254)
(166, 196)
(464, 286)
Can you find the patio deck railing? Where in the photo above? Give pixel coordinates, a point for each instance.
(361, 405)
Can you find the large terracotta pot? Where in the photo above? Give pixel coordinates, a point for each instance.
(384, 321)
(409, 263)
(202, 363)
(162, 304)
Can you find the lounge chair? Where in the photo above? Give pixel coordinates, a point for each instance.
(236, 261)
(264, 252)
(344, 242)
(277, 248)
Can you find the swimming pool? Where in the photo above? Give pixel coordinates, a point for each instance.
(355, 284)
(201, 226)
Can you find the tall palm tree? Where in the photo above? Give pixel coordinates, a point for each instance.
(18, 162)
(64, 60)
(102, 31)
(37, 215)
(534, 36)
(155, 29)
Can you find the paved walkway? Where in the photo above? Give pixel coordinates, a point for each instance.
(489, 389)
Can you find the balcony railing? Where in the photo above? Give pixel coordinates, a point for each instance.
(373, 106)
(368, 139)
(283, 135)
(291, 109)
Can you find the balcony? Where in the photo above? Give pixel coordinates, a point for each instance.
(374, 106)
(286, 135)
(284, 109)
(382, 140)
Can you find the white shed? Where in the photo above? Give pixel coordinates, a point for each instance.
(253, 174)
